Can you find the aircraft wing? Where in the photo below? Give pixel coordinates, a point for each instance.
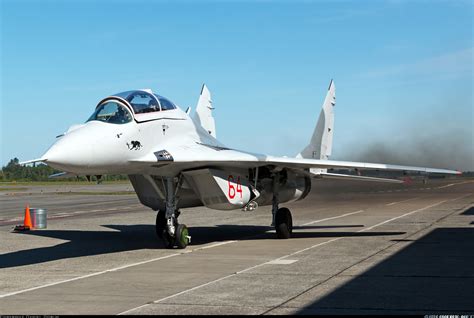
(329, 164)
(326, 175)
(175, 158)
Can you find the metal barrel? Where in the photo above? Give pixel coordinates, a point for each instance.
(38, 218)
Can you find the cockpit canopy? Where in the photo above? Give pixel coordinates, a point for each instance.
(145, 101)
(117, 109)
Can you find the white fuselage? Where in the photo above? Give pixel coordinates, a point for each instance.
(97, 147)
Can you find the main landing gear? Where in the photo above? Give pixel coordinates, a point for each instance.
(167, 227)
(281, 217)
(283, 223)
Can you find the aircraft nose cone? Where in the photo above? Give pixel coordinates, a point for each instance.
(68, 154)
(93, 148)
(57, 154)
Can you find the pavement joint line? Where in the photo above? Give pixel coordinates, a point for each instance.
(462, 197)
(212, 305)
(276, 259)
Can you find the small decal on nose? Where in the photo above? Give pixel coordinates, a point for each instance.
(134, 145)
(163, 155)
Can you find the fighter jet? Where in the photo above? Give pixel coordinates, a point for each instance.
(174, 160)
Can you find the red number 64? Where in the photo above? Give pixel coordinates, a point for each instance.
(233, 190)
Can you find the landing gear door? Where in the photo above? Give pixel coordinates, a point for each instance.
(220, 189)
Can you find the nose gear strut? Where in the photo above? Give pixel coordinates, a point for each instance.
(167, 226)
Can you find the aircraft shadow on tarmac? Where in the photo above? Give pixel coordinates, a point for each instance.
(136, 237)
(469, 211)
(433, 274)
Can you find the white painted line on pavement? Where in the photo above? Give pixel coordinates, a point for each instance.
(282, 262)
(403, 215)
(214, 245)
(453, 184)
(89, 275)
(334, 217)
(396, 202)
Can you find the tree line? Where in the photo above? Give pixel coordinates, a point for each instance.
(13, 171)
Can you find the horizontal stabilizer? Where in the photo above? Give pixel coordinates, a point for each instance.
(32, 161)
(62, 175)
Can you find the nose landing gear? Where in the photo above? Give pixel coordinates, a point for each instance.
(167, 227)
(180, 238)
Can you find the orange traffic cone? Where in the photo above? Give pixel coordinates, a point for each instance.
(27, 221)
(27, 225)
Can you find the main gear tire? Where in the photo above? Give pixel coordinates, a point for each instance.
(283, 223)
(160, 223)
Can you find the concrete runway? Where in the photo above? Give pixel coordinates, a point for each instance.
(358, 248)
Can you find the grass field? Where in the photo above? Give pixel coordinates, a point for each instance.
(95, 193)
(13, 189)
(53, 183)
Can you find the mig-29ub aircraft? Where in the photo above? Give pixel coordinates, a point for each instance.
(174, 160)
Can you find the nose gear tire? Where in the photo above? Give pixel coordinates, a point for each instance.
(182, 236)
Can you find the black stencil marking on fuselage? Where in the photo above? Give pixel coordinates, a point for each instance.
(135, 145)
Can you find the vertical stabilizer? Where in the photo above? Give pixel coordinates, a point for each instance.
(203, 114)
(320, 146)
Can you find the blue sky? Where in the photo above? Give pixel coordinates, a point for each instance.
(403, 71)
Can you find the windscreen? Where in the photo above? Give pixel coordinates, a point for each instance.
(112, 112)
